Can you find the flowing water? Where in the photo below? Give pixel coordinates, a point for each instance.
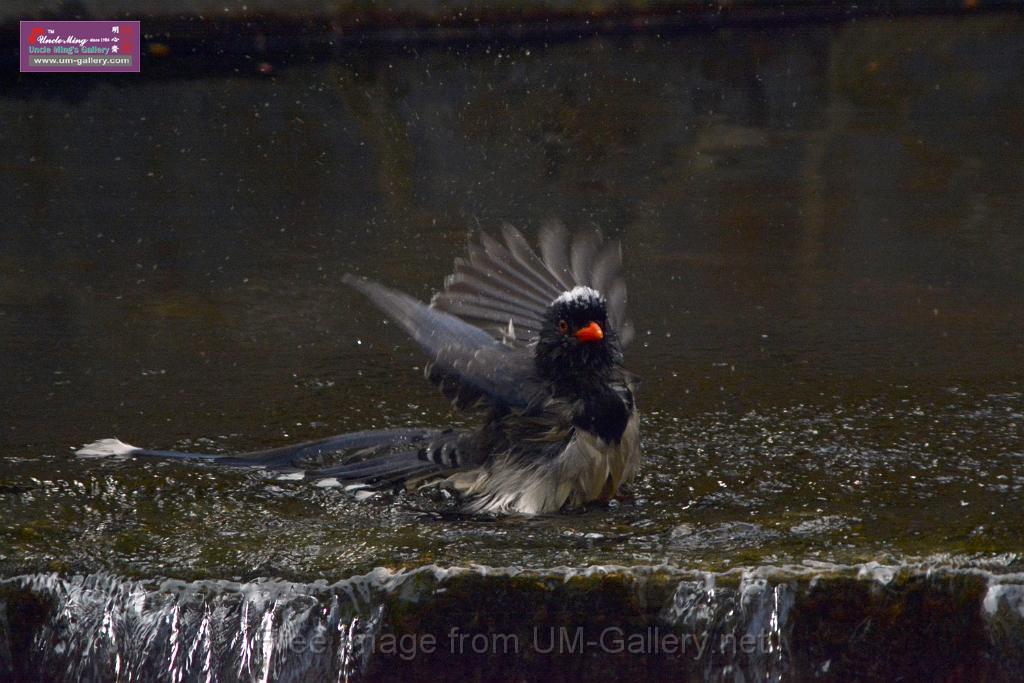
(822, 228)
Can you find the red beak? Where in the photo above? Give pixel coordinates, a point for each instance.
(590, 333)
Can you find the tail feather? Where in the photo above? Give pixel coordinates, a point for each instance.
(284, 457)
(105, 448)
(380, 471)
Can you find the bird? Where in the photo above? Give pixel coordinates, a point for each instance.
(531, 345)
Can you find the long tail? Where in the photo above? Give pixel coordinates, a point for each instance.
(301, 455)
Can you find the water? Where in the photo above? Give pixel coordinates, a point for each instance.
(823, 247)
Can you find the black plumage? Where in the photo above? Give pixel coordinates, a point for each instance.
(533, 342)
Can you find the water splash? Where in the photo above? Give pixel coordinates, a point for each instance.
(102, 627)
(740, 631)
(763, 624)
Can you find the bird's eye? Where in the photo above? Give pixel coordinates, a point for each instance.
(563, 326)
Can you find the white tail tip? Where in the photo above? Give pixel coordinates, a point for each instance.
(105, 448)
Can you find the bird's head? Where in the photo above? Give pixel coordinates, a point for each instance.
(576, 339)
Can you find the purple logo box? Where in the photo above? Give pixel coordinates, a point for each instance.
(80, 46)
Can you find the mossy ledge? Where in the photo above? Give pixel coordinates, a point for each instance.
(829, 622)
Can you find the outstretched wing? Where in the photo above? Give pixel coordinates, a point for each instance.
(469, 365)
(504, 287)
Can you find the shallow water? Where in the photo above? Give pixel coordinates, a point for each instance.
(822, 235)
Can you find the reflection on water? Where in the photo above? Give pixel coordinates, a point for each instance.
(822, 230)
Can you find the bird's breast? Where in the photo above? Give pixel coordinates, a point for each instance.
(599, 466)
(605, 412)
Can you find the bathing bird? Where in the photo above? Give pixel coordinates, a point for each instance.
(529, 343)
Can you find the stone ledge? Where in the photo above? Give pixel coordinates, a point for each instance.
(870, 622)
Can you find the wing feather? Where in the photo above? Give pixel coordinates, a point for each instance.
(478, 330)
(484, 282)
(468, 362)
(475, 311)
(582, 255)
(504, 262)
(504, 281)
(606, 267)
(529, 261)
(554, 249)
